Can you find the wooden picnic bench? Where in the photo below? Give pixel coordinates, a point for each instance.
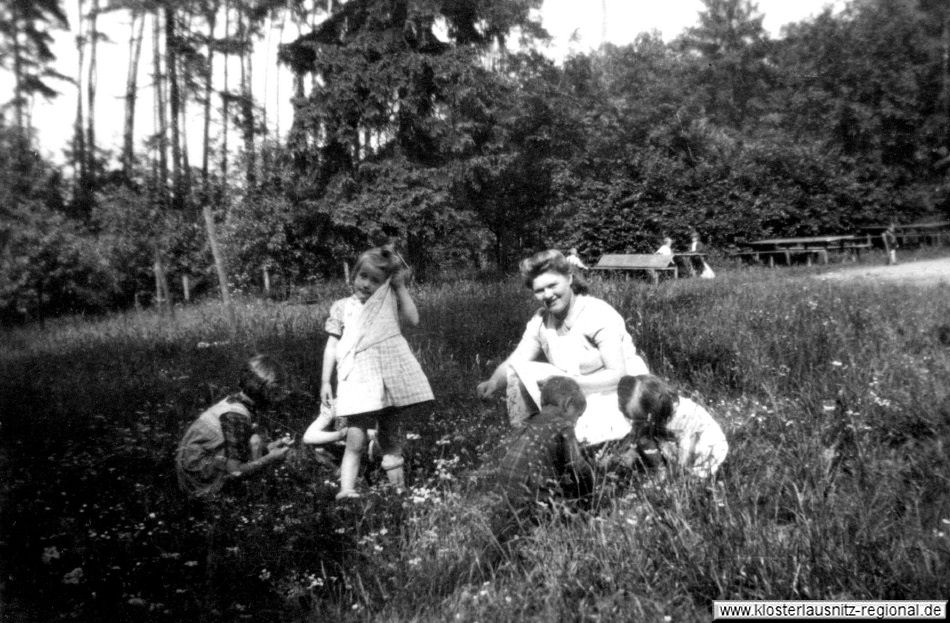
(912, 234)
(769, 256)
(649, 262)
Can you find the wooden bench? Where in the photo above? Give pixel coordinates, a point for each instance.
(856, 248)
(810, 255)
(649, 262)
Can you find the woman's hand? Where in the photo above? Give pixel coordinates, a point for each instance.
(486, 389)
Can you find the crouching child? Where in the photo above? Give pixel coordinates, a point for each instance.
(670, 430)
(543, 462)
(221, 444)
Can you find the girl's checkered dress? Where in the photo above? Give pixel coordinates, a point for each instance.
(375, 367)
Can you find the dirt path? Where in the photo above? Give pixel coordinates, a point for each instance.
(923, 272)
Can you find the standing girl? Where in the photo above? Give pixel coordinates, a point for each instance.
(377, 375)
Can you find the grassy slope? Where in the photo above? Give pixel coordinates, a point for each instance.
(837, 485)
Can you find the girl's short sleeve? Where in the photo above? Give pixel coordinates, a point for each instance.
(334, 323)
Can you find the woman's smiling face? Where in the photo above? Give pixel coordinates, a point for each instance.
(553, 290)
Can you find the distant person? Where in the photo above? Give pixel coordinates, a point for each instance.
(221, 444)
(377, 374)
(695, 242)
(696, 246)
(666, 248)
(889, 237)
(575, 260)
(543, 462)
(671, 430)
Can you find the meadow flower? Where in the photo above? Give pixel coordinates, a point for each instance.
(50, 553)
(73, 577)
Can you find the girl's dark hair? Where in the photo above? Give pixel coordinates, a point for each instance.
(262, 380)
(656, 400)
(384, 258)
(552, 261)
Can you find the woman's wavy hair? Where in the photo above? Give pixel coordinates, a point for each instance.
(552, 261)
(262, 380)
(384, 258)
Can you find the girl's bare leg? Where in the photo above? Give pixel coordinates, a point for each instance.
(389, 436)
(350, 465)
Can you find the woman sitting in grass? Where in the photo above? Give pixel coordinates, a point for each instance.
(576, 335)
(670, 430)
(221, 443)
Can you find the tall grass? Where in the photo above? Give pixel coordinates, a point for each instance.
(837, 485)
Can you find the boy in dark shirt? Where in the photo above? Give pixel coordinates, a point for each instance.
(543, 462)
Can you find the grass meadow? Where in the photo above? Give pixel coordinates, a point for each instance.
(833, 395)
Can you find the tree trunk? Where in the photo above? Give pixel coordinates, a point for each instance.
(206, 130)
(18, 102)
(131, 93)
(280, 39)
(160, 111)
(91, 97)
(183, 121)
(21, 140)
(224, 100)
(186, 288)
(945, 36)
(79, 133)
(219, 264)
(162, 294)
(247, 107)
(174, 97)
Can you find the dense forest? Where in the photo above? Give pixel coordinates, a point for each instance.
(437, 124)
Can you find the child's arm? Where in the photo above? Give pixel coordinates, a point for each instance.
(329, 362)
(237, 436)
(577, 466)
(408, 314)
(236, 467)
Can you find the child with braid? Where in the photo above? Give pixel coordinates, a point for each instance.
(669, 429)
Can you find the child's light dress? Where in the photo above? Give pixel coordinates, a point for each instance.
(375, 367)
(698, 446)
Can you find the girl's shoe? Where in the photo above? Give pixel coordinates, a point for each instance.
(347, 494)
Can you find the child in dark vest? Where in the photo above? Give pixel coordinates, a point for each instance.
(221, 444)
(543, 462)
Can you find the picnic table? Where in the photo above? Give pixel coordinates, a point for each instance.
(810, 248)
(650, 262)
(911, 234)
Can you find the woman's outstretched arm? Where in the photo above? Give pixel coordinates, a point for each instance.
(527, 350)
